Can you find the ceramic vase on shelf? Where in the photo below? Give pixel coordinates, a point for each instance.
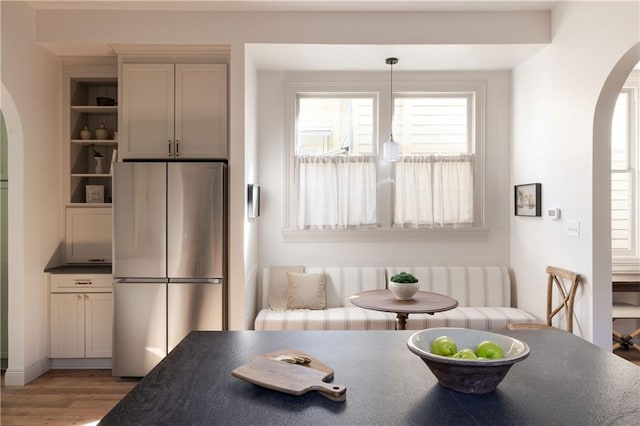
(99, 167)
(102, 132)
(86, 134)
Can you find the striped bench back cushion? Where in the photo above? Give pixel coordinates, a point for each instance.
(469, 285)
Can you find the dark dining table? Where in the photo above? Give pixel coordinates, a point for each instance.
(564, 381)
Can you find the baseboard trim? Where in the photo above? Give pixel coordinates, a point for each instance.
(81, 363)
(22, 377)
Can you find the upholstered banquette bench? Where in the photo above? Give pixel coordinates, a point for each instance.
(292, 298)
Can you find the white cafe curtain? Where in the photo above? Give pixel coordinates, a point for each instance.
(336, 192)
(433, 191)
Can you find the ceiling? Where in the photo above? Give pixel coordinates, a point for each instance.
(302, 57)
(301, 5)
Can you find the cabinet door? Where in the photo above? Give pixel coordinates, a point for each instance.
(67, 326)
(147, 101)
(201, 111)
(88, 235)
(98, 324)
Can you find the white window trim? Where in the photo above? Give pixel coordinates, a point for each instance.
(629, 263)
(382, 126)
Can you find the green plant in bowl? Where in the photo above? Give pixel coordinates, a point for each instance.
(403, 285)
(404, 278)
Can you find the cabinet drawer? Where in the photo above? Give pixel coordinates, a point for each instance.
(80, 283)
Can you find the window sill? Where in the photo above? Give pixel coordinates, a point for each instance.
(382, 235)
(625, 265)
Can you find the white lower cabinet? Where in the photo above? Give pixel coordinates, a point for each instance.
(67, 326)
(98, 325)
(81, 319)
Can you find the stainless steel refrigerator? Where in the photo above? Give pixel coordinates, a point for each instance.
(169, 260)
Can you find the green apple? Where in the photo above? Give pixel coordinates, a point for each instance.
(465, 354)
(489, 349)
(444, 345)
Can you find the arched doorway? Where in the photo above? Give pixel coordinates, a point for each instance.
(602, 294)
(14, 138)
(4, 238)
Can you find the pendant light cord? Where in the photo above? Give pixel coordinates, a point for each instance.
(391, 100)
(392, 62)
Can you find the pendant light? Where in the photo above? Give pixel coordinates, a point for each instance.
(391, 148)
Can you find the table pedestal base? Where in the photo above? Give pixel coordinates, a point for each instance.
(402, 321)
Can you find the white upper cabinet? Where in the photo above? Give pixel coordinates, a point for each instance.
(201, 111)
(147, 111)
(88, 235)
(173, 111)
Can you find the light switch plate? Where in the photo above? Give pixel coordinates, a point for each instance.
(573, 228)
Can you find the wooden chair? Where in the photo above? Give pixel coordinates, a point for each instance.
(560, 279)
(625, 311)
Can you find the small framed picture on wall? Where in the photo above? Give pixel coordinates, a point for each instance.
(528, 200)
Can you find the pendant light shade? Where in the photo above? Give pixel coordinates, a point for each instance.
(391, 148)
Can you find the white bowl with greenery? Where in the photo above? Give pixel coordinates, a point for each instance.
(404, 285)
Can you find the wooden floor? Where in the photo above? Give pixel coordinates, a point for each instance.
(63, 397)
(81, 397)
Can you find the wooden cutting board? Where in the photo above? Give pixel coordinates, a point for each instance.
(289, 378)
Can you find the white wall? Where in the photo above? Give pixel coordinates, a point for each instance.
(73, 31)
(483, 248)
(555, 94)
(251, 177)
(31, 106)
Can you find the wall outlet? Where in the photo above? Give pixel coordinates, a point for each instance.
(573, 228)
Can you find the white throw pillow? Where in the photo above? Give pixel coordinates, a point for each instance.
(306, 291)
(279, 286)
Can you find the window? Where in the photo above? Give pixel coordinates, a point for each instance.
(434, 176)
(329, 125)
(336, 180)
(624, 176)
(336, 174)
(438, 123)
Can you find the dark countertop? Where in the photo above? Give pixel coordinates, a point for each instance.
(80, 268)
(565, 381)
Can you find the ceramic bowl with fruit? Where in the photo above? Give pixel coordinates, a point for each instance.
(465, 360)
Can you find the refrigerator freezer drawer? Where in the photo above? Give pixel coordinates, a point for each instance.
(139, 321)
(193, 306)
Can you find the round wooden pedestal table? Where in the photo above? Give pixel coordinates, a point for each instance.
(423, 302)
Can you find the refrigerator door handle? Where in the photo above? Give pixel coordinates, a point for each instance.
(196, 280)
(140, 280)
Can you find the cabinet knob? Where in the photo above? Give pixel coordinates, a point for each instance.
(82, 282)
(177, 147)
(78, 297)
(169, 147)
(86, 297)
